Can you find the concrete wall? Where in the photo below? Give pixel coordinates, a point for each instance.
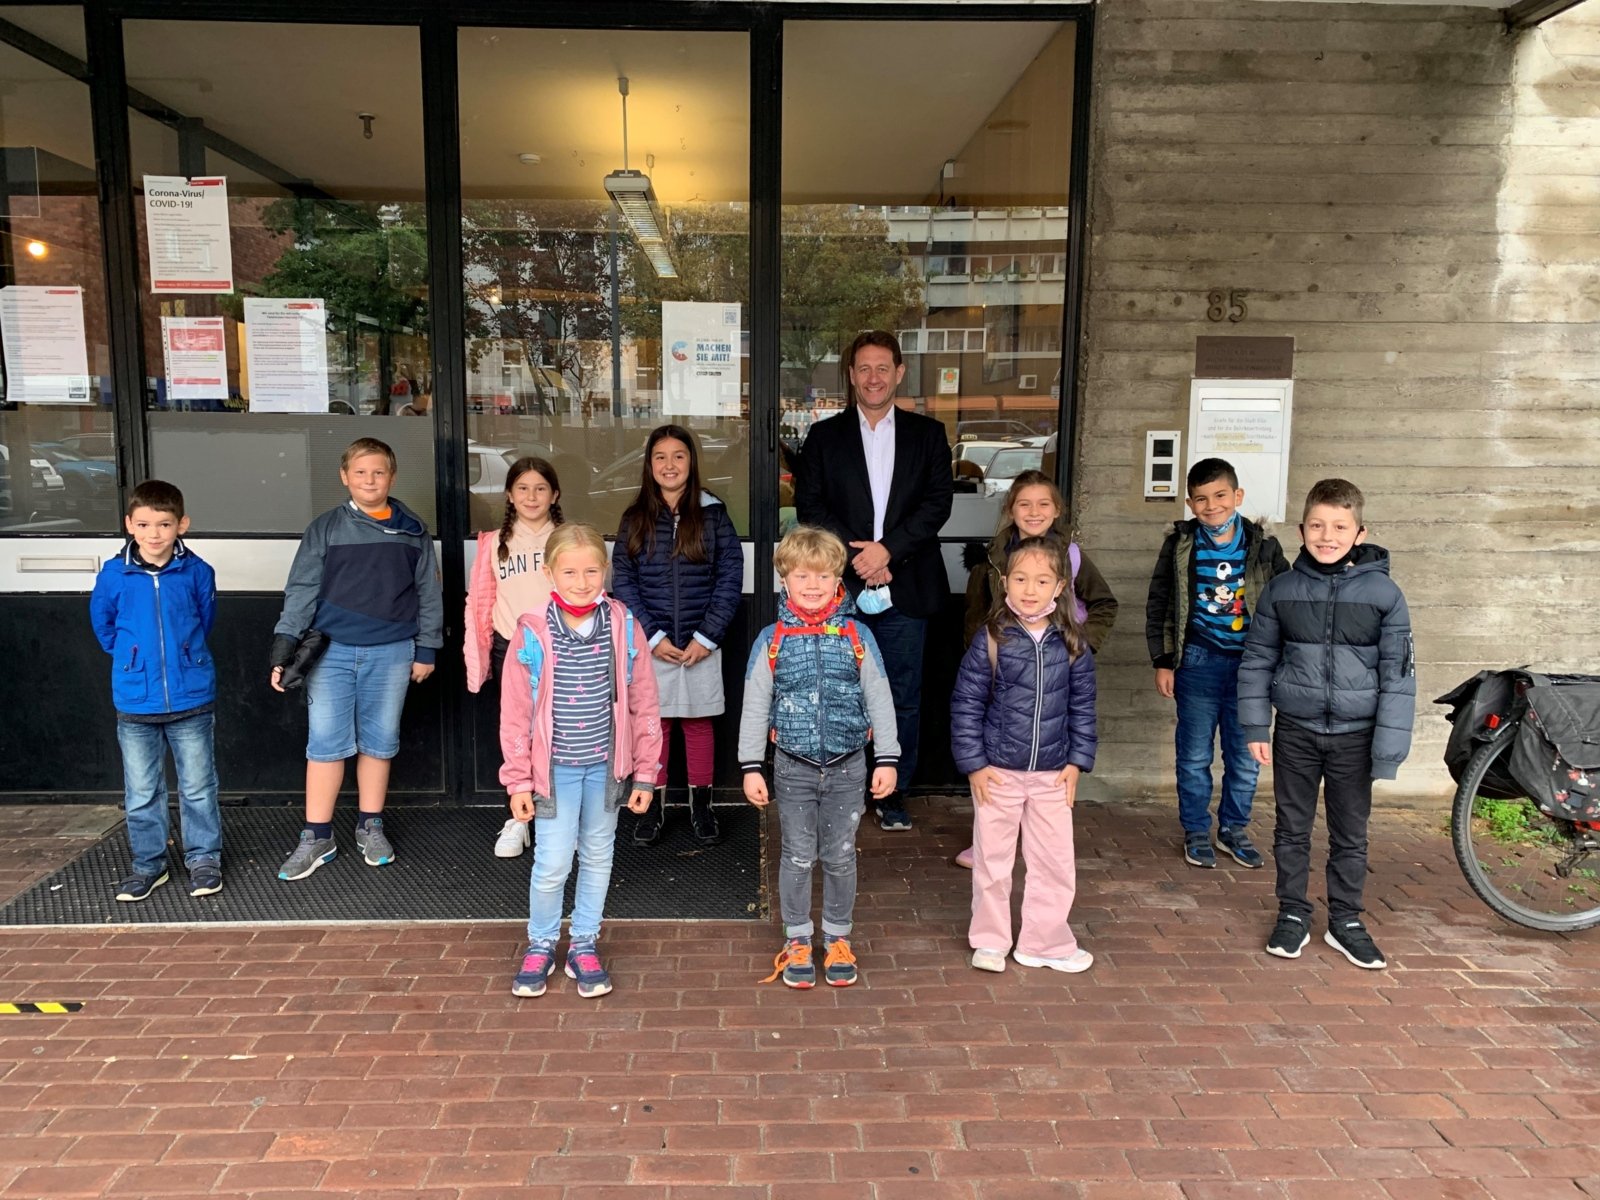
(1414, 195)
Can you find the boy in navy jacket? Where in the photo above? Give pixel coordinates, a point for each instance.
(152, 608)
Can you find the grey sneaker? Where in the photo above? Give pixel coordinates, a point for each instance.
(374, 846)
(310, 854)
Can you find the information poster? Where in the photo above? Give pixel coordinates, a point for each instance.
(700, 367)
(1247, 422)
(286, 349)
(47, 357)
(186, 225)
(193, 350)
(949, 381)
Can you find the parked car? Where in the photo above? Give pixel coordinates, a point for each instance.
(977, 453)
(44, 490)
(87, 465)
(993, 429)
(1008, 464)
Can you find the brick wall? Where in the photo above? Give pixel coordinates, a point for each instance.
(1414, 195)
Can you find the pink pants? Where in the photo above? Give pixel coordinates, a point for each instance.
(1034, 803)
(698, 748)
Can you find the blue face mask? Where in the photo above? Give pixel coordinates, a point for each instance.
(873, 601)
(1225, 530)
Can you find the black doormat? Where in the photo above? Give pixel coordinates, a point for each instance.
(444, 870)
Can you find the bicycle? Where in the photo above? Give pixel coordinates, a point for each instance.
(1523, 823)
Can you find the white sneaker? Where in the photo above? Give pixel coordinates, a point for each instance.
(989, 960)
(1079, 960)
(513, 840)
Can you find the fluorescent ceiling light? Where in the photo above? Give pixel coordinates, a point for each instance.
(635, 199)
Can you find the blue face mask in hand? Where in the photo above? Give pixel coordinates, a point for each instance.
(873, 601)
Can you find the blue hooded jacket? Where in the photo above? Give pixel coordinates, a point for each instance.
(1034, 712)
(154, 624)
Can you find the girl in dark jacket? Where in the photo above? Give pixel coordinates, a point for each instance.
(679, 567)
(1022, 729)
(1034, 507)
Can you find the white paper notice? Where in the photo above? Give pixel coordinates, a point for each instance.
(286, 351)
(186, 224)
(47, 359)
(700, 358)
(193, 349)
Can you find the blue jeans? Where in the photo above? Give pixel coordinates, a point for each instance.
(1206, 685)
(900, 638)
(144, 752)
(354, 697)
(581, 826)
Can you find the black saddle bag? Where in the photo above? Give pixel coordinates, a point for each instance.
(1479, 706)
(1556, 755)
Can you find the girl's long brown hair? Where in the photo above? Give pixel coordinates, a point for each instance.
(639, 521)
(518, 469)
(1007, 527)
(1065, 617)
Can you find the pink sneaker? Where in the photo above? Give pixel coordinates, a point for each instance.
(964, 859)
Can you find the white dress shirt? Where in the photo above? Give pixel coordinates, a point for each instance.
(878, 445)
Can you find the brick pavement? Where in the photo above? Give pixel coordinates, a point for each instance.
(391, 1062)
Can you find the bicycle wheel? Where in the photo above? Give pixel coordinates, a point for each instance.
(1537, 871)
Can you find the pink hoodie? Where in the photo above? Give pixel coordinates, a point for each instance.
(527, 716)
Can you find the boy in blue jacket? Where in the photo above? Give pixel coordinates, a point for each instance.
(152, 608)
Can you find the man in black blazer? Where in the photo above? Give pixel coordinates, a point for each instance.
(879, 477)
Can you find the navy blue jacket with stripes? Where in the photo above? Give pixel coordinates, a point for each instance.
(1333, 654)
(363, 582)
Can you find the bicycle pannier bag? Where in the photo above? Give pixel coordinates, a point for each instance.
(1479, 706)
(1556, 757)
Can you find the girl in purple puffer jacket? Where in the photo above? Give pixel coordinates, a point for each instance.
(1022, 729)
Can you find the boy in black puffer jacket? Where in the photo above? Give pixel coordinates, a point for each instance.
(1330, 647)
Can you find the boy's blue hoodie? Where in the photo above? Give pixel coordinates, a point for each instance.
(154, 623)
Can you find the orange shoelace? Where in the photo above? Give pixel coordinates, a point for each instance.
(798, 953)
(838, 952)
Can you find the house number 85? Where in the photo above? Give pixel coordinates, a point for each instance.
(1226, 306)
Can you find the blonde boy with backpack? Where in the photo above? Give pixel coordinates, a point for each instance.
(816, 691)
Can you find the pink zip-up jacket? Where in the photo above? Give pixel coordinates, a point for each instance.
(527, 717)
(479, 623)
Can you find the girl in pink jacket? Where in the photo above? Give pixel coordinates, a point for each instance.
(508, 579)
(580, 729)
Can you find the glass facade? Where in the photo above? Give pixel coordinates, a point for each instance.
(58, 471)
(506, 231)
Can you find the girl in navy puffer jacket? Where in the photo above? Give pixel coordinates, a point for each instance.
(679, 567)
(1022, 728)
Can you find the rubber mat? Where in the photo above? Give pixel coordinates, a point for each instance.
(444, 870)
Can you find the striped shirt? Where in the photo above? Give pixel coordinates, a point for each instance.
(1220, 616)
(581, 689)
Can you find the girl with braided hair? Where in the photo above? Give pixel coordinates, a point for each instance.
(508, 579)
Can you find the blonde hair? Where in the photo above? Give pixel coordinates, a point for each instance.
(364, 446)
(808, 546)
(576, 535)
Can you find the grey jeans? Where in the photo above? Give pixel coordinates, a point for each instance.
(819, 810)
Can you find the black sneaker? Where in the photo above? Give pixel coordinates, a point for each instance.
(702, 821)
(1289, 936)
(1351, 939)
(892, 815)
(138, 885)
(1237, 844)
(205, 879)
(1198, 852)
(647, 829)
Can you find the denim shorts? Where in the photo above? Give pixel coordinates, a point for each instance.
(354, 697)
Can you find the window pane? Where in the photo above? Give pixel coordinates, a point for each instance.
(57, 449)
(561, 363)
(978, 160)
(257, 382)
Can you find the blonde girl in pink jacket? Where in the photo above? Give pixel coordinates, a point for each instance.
(508, 579)
(580, 729)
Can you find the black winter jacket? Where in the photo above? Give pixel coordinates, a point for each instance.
(1034, 713)
(1333, 654)
(1172, 586)
(667, 593)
